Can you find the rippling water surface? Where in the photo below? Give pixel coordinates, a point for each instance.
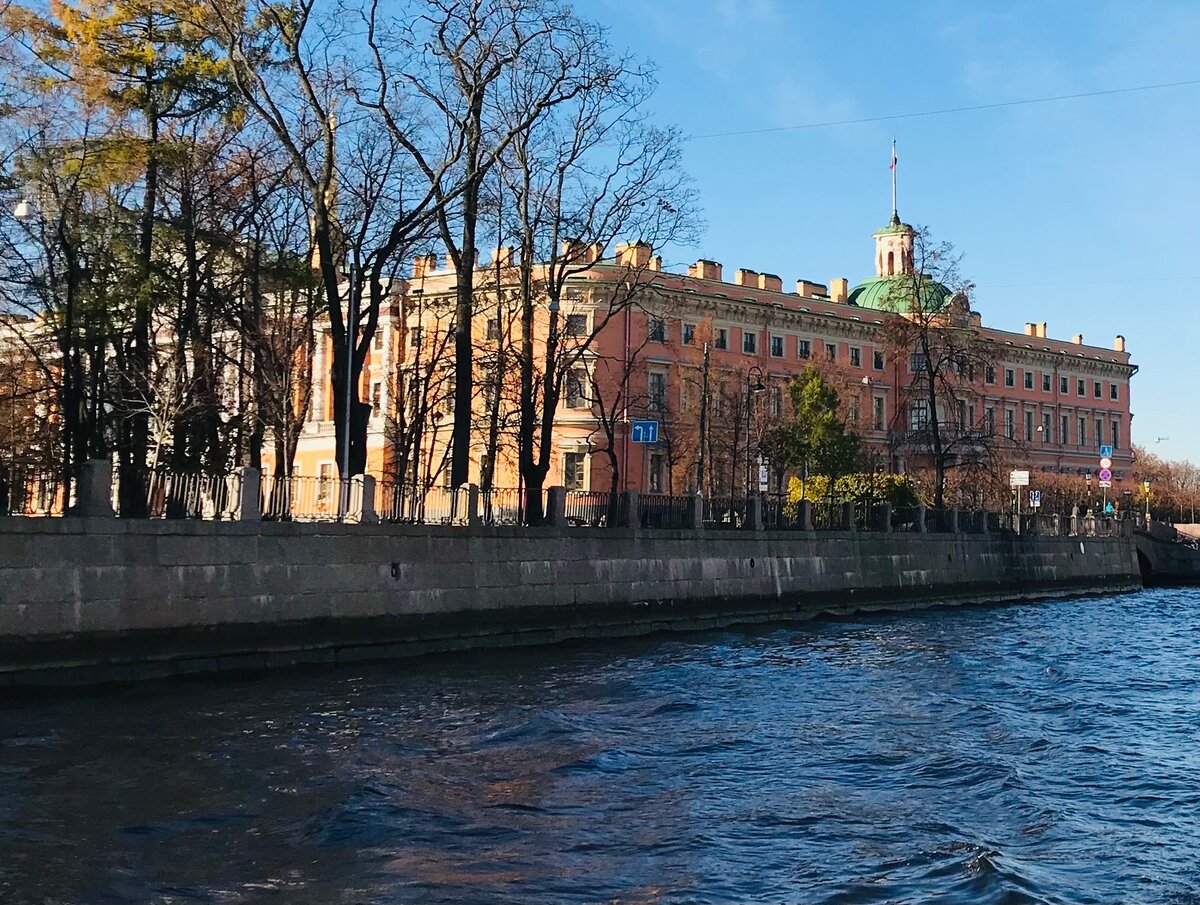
(1029, 753)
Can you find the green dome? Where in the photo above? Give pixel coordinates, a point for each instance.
(891, 294)
(895, 226)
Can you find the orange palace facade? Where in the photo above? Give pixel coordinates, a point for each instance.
(1049, 403)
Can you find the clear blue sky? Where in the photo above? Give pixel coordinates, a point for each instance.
(1082, 213)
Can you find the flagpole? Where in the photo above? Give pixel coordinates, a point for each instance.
(893, 169)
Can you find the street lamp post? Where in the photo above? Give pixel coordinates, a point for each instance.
(1146, 488)
(703, 423)
(754, 387)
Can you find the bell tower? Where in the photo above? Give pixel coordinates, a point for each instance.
(894, 243)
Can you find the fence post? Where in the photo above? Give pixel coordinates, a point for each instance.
(556, 506)
(921, 518)
(952, 521)
(249, 495)
(631, 511)
(695, 515)
(754, 513)
(473, 519)
(885, 515)
(361, 508)
(984, 523)
(93, 491)
(848, 517)
(804, 515)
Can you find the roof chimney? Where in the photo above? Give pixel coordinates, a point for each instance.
(503, 256)
(705, 270)
(1031, 329)
(656, 263)
(1119, 344)
(1042, 330)
(807, 289)
(743, 277)
(423, 265)
(839, 289)
(1077, 339)
(633, 254)
(770, 282)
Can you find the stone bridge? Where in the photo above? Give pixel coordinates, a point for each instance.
(1166, 557)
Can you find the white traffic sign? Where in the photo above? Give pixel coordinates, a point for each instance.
(1018, 479)
(1106, 483)
(1106, 462)
(764, 478)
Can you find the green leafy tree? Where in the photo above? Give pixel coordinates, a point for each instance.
(817, 439)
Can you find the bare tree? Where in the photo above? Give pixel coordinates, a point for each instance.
(931, 331)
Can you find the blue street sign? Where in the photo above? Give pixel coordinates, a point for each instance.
(1105, 452)
(1035, 499)
(645, 432)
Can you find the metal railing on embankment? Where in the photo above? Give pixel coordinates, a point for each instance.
(245, 495)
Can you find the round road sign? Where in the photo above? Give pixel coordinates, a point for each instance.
(1105, 474)
(1106, 462)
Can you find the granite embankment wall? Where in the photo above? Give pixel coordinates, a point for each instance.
(90, 599)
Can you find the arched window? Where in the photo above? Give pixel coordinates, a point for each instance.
(891, 263)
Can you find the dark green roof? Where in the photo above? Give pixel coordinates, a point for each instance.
(895, 226)
(892, 294)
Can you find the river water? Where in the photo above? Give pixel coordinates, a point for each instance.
(1004, 754)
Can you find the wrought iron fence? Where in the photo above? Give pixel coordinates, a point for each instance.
(404, 504)
(305, 498)
(31, 491)
(724, 512)
(781, 514)
(174, 494)
(501, 506)
(659, 510)
(827, 515)
(595, 509)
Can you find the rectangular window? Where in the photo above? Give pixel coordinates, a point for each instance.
(689, 334)
(989, 374)
(377, 340)
(1064, 435)
(918, 414)
(962, 415)
(878, 362)
(1028, 427)
(1045, 383)
(1116, 433)
(1113, 393)
(376, 397)
(971, 416)
(721, 341)
(573, 471)
(493, 327)
(1097, 389)
(324, 480)
(1029, 380)
(1098, 437)
(831, 351)
(1010, 377)
(777, 347)
(775, 401)
(1080, 387)
(855, 357)
(576, 389)
(749, 342)
(989, 421)
(656, 391)
(1083, 431)
(803, 348)
(852, 410)
(1046, 427)
(415, 337)
(448, 402)
(916, 362)
(657, 472)
(1010, 426)
(656, 330)
(877, 413)
(576, 324)
(1063, 386)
